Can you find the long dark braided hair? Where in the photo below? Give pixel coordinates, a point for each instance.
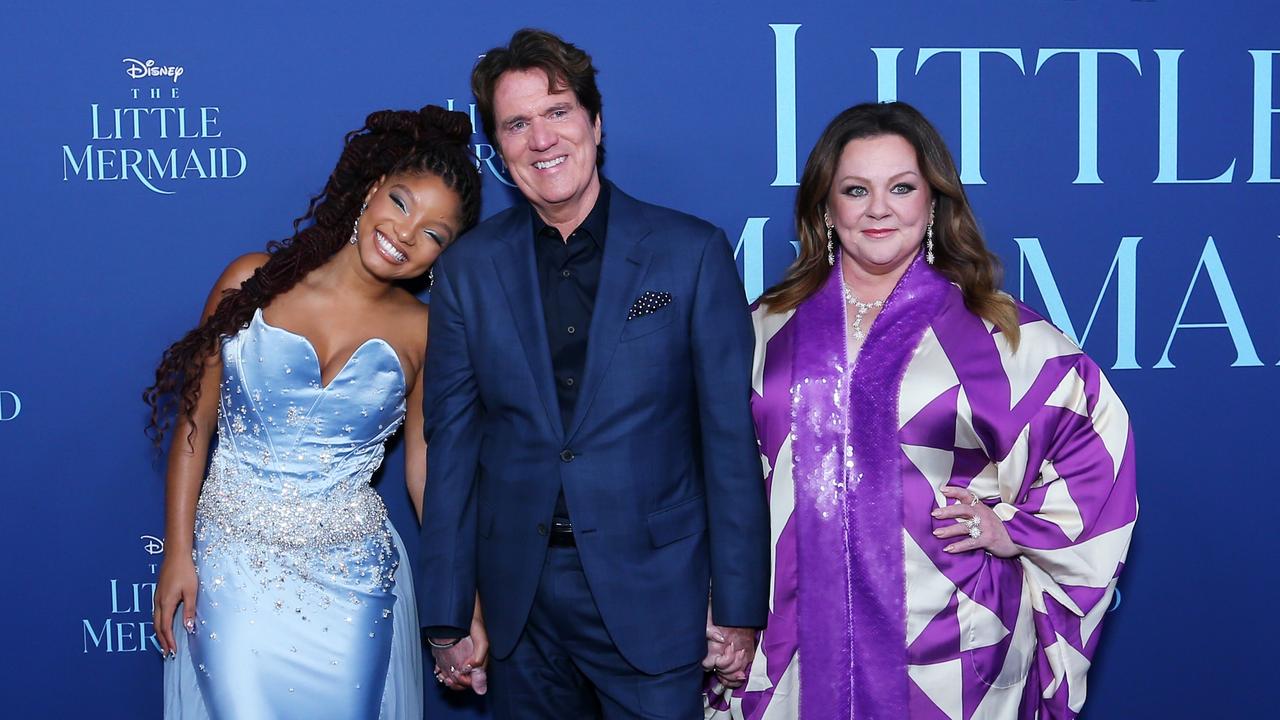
(392, 142)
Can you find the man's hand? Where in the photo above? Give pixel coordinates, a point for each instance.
(729, 652)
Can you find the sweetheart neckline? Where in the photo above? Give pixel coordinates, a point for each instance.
(261, 318)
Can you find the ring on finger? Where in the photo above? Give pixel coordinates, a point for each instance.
(975, 532)
(973, 499)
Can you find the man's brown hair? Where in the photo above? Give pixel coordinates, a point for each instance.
(566, 66)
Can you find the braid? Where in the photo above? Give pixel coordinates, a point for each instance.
(430, 141)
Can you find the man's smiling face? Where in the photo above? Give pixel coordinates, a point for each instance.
(548, 141)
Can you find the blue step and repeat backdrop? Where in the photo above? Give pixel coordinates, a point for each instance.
(1121, 156)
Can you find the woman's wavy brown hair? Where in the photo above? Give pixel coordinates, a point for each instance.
(959, 251)
(392, 142)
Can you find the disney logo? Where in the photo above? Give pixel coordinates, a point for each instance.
(152, 545)
(140, 69)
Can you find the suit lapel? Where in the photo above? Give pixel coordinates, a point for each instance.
(517, 275)
(625, 262)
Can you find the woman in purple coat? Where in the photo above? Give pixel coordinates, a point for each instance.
(951, 479)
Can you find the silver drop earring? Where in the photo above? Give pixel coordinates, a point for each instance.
(431, 278)
(355, 229)
(928, 239)
(831, 242)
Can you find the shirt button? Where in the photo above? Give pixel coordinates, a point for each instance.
(565, 273)
(571, 330)
(542, 529)
(566, 455)
(568, 382)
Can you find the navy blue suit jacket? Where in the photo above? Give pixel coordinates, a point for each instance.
(659, 464)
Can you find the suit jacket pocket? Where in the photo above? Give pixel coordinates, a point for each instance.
(646, 324)
(685, 518)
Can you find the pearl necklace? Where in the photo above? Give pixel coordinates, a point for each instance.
(862, 309)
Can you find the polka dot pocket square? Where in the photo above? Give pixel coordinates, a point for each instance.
(648, 303)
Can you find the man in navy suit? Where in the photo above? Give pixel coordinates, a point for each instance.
(592, 465)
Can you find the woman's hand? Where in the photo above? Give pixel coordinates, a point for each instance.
(980, 524)
(177, 585)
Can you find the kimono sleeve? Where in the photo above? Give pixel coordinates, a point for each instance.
(1076, 503)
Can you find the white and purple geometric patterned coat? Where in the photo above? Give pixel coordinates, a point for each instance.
(869, 618)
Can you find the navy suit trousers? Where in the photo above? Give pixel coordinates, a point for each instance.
(565, 665)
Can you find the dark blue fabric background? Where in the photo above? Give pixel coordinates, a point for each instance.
(97, 276)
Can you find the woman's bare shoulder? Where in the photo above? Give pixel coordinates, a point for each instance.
(241, 269)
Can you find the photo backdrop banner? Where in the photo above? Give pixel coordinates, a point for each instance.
(1121, 156)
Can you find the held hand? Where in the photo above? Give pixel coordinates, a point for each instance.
(979, 524)
(716, 642)
(455, 666)
(463, 665)
(176, 585)
(480, 654)
(729, 652)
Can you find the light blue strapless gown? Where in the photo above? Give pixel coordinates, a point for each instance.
(305, 607)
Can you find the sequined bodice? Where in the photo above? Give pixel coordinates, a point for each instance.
(294, 455)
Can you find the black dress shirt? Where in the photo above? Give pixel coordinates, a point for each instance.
(568, 276)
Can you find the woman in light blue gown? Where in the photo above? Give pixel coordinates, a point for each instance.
(285, 591)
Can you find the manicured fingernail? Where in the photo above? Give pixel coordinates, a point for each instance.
(719, 637)
(949, 548)
(191, 627)
(937, 533)
(936, 513)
